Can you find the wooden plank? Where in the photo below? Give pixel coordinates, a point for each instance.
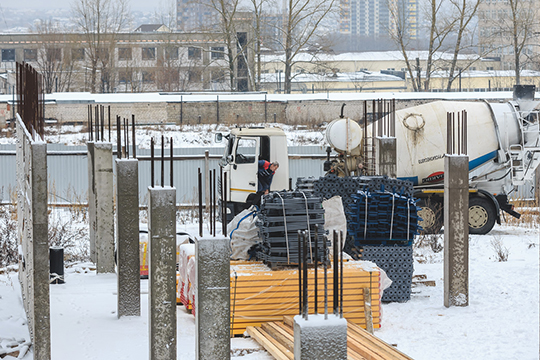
(364, 349)
(281, 336)
(361, 333)
(275, 349)
(289, 321)
(367, 311)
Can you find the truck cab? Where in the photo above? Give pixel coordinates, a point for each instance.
(244, 148)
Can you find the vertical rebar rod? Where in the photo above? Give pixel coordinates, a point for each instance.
(465, 131)
(172, 162)
(102, 122)
(305, 268)
(118, 139)
(448, 117)
(215, 201)
(126, 127)
(225, 195)
(341, 274)
(210, 202)
(315, 265)
(133, 138)
(336, 270)
(90, 125)
(97, 123)
(200, 203)
(222, 193)
(109, 123)
(162, 161)
(300, 294)
(152, 162)
(325, 241)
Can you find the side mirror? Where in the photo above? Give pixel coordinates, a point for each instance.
(218, 137)
(230, 159)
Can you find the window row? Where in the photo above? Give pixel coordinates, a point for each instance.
(124, 53)
(149, 76)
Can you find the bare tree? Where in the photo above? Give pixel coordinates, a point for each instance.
(259, 12)
(301, 21)
(100, 21)
(466, 12)
(53, 57)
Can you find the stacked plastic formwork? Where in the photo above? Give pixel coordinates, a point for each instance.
(282, 215)
(382, 220)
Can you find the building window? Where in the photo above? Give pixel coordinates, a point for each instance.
(124, 53)
(30, 54)
(103, 54)
(194, 53)
(8, 55)
(149, 53)
(54, 54)
(124, 76)
(171, 53)
(218, 76)
(218, 52)
(147, 76)
(194, 76)
(77, 54)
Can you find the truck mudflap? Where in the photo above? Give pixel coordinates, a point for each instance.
(502, 200)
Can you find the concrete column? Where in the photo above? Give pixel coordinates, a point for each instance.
(102, 187)
(212, 299)
(33, 233)
(386, 155)
(91, 200)
(316, 338)
(127, 232)
(456, 230)
(162, 272)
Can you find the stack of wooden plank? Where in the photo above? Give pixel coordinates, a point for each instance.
(259, 294)
(278, 339)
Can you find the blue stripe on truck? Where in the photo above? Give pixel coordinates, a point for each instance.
(482, 160)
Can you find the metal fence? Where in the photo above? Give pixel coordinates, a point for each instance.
(68, 171)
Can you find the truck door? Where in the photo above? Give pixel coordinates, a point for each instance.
(244, 168)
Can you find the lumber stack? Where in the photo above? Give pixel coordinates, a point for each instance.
(260, 295)
(278, 339)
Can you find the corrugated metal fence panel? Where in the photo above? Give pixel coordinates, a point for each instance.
(68, 174)
(7, 171)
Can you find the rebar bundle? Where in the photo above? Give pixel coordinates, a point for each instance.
(282, 215)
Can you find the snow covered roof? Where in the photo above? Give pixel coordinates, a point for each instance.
(369, 56)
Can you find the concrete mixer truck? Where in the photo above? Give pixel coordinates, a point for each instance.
(503, 150)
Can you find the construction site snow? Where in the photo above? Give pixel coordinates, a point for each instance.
(501, 321)
(182, 135)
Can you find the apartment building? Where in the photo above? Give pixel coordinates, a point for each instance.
(126, 62)
(375, 18)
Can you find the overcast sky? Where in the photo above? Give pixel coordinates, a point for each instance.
(142, 5)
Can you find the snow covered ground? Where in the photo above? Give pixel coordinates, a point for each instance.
(501, 321)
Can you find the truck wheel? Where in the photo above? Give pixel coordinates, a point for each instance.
(431, 214)
(482, 215)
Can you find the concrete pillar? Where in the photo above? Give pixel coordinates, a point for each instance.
(33, 234)
(127, 232)
(100, 198)
(162, 272)
(386, 155)
(212, 299)
(316, 338)
(456, 230)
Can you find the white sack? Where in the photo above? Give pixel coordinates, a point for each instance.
(243, 233)
(334, 219)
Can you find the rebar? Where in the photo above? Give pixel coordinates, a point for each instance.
(210, 202)
(102, 109)
(305, 275)
(126, 129)
(315, 265)
(200, 203)
(134, 139)
(90, 124)
(336, 270)
(300, 294)
(109, 123)
(341, 274)
(152, 162)
(171, 160)
(225, 203)
(215, 201)
(325, 282)
(119, 139)
(162, 161)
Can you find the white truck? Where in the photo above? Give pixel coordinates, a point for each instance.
(503, 150)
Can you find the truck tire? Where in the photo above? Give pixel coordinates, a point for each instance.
(431, 214)
(482, 215)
